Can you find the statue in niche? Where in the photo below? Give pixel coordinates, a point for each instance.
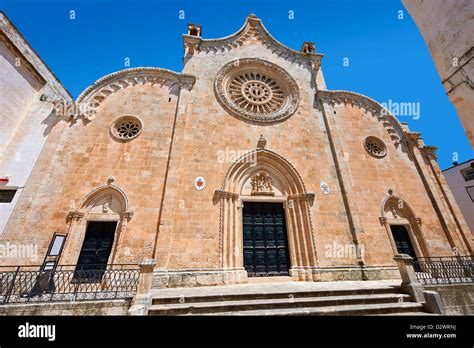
(394, 211)
(106, 204)
(261, 184)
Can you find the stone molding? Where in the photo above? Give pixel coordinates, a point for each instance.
(91, 98)
(254, 154)
(252, 28)
(100, 188)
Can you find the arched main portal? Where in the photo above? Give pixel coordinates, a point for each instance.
(265, 180)
(403, 227)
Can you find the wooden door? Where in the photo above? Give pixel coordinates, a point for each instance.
(265, 239)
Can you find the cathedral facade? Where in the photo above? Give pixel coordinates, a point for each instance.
(243, 165)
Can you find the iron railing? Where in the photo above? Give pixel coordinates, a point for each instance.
(67, 283)
(444, 270)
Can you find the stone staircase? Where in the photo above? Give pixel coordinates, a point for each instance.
(287, 298)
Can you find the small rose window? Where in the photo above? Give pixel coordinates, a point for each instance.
(375, 146)
(126, 128)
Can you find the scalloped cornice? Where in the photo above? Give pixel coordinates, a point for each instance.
(394, 127)
(93, 95)
(252, 28)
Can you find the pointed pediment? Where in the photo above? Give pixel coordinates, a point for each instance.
(253, 29)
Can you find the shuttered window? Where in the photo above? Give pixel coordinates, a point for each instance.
(6, 196)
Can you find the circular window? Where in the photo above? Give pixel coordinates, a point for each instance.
(375, 146)
(126, 128)
(256, 90)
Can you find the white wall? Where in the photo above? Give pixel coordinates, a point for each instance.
(458, 185)
(25, 123)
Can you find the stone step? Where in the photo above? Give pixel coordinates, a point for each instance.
(359, 309)
(409, 314)
(279, 279)
(215, 296)
(262, 304)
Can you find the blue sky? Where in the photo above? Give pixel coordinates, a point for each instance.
(388, 59)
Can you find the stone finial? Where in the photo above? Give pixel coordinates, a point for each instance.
(261, 142)
(390, 192)
(194, 29)
(110, 180)
(308, 48)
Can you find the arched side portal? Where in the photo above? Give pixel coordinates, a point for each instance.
(266, 177)
(104, 210)
(397, 216)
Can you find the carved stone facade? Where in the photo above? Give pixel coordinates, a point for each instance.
(299, 146)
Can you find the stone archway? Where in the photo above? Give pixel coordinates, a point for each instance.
(264, 176)
(395, 212)
(106, 203)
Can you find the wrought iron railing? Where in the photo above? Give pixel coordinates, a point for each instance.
(67, 283)
(444, 270)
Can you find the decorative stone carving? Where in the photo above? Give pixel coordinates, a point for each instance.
(252, 29)
(256, 90)
(261, 142)
(307, 196)
(126, 128)
(127, 215)
(261, 184)
(393, 209)
(324, 187)
(413, 138)
(94, 95)
(75, 215)
(199, 183)
(106, 204)
(375, 147)
(218, 194)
